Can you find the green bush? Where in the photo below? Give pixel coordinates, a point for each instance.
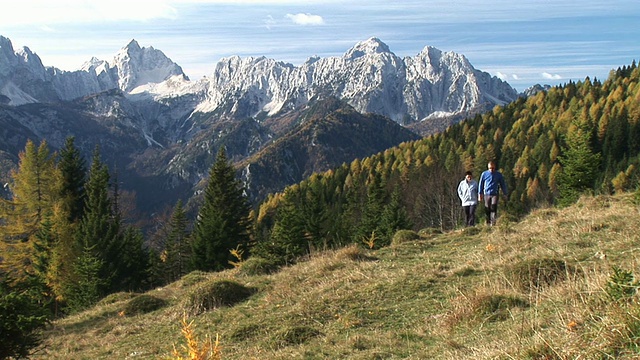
(215, 294)
(143, 304)
(22, 318)
(402, 236)
(621, 285)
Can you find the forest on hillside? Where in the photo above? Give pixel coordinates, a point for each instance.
(66, 242)
(580, 137)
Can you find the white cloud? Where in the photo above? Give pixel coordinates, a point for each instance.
(269, 22)
(546, 75)
(504, 77)
(306, 19)
(501, 76)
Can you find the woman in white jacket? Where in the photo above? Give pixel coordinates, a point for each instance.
(468, 193)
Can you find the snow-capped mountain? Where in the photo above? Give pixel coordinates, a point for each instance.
(368, 76)
(24, 79)
(163, 129)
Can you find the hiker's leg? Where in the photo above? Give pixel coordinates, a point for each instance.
(472, 215)
(494, 209)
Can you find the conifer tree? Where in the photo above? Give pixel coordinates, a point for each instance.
(314, 213)
(97, 236)
(89, 285)
(22, 318)
(43, 243)
(35, 189)
(223, 220)
(394, 217)
(370, 221)
(580, 165)
(177, 248)
(134, 262)
(64, 250)
(288, 240)
(73, 169)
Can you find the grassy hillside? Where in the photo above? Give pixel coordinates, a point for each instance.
(542, 288)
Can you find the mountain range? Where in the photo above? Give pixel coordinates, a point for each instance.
(279, 122)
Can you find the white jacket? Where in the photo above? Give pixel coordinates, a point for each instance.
(468, 192)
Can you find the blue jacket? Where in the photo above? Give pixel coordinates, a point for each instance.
(490, 182)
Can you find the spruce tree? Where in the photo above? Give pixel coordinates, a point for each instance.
(394, 217)
(134, 262)
(22, 318)
(73, 170)
(370, 221)
(97, 237)
(223, 220)
(580, 165)
(43, 243)
(288, 239)
(89, 285)
(314, 215)
(177, 249)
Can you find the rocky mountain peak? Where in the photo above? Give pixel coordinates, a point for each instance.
(133, 46)
(7, 56)
(138, 66)
(370, 46)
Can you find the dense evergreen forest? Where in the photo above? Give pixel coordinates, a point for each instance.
(66, 241)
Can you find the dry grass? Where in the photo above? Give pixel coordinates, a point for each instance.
(457, 295)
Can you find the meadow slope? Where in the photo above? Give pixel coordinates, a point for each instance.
(556, 285)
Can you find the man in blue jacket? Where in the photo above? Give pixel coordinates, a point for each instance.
(491, 181)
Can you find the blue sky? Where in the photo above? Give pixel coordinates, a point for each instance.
(524, 42)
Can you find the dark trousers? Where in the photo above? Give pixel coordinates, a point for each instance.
(491, 208)
(470, 214)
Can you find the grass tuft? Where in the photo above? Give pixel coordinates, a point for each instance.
(216, 293)
(116, 297)
(403, 236)
(295, 336)
(143, 304)
(258, 266)
(538, 273)
(193, 278)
